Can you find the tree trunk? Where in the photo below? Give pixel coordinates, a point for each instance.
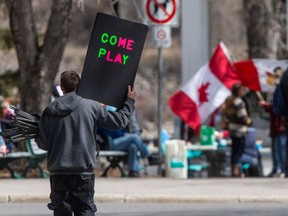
(130, 10)
(263, 28)
(38, 64)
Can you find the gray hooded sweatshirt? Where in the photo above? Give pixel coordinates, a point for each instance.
(67, 130)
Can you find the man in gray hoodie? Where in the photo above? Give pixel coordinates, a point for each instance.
(67, 131)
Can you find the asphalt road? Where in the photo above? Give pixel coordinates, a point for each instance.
(158, 209)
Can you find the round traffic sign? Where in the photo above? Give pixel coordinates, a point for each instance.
(161, 11)
(161, 34)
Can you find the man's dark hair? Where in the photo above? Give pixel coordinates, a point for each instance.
(278, 71)
(69, 81)
(236, 88)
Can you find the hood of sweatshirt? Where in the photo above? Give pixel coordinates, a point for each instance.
(63, 105)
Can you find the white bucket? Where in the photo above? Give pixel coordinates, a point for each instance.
(176, 159)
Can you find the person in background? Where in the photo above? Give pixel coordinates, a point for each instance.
(238, 121)
(3, 148)
(251, 156)
(128, 140)
(5, 115)
(277, 134)
(56, 92)
(283, 85)
(67, 131)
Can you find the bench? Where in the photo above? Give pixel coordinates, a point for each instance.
(33, 155)
(37, 156)
(114, 158)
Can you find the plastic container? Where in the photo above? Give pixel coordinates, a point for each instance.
(207, 136)
(176, 159)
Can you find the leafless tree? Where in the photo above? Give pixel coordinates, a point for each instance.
(38, 63)
(263, 22)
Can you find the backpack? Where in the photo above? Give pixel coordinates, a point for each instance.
(279, 103)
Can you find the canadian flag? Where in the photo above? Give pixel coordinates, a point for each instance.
(257, 74)
(206, 90)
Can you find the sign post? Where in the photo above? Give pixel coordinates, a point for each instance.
(161, 15)
(159, 101)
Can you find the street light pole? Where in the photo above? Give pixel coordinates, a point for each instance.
(159, 104)
(286, 24)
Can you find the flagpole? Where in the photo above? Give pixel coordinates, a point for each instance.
(228, 53)
(260, 96)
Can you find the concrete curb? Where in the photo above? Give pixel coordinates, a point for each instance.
(138, 198)
(124, 190)
(31, 198)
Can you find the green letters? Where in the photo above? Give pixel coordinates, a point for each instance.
(125, 57)
(113, 40)
(102, 51)
(104, 38)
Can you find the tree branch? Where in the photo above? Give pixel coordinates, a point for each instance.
(24, 32)
(56, 37)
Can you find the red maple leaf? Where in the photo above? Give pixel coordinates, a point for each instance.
(202, 93)
(269, 73)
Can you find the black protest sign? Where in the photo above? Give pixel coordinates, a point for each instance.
(112, 59)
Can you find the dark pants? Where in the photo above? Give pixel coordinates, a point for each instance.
(286, 158)
(72, 193)
(254, 169)
(238, 144)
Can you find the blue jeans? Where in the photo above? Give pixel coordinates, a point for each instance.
(131, 143)
(279, 152)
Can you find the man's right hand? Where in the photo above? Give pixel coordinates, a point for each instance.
(131, 93)
(262, 103)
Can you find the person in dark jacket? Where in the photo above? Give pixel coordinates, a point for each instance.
(129, 140)
(251, 156)
(278, 140)
(284, 88)
(67, 131)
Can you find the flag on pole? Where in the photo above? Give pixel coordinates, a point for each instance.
(206, 90)
(258, 75)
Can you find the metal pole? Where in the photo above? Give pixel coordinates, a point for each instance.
(286, 24)
(159, 104)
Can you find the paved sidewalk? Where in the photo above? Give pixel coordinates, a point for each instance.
(158, 190)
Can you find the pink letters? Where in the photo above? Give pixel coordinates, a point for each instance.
(120, 42)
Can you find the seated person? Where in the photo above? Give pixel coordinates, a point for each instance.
(3, 149)
(251, 155)
(128, 140)
(124, 141)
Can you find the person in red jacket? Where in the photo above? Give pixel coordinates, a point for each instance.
(278, 140)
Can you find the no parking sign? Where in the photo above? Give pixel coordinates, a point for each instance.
(161, 15)
(161, 12)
